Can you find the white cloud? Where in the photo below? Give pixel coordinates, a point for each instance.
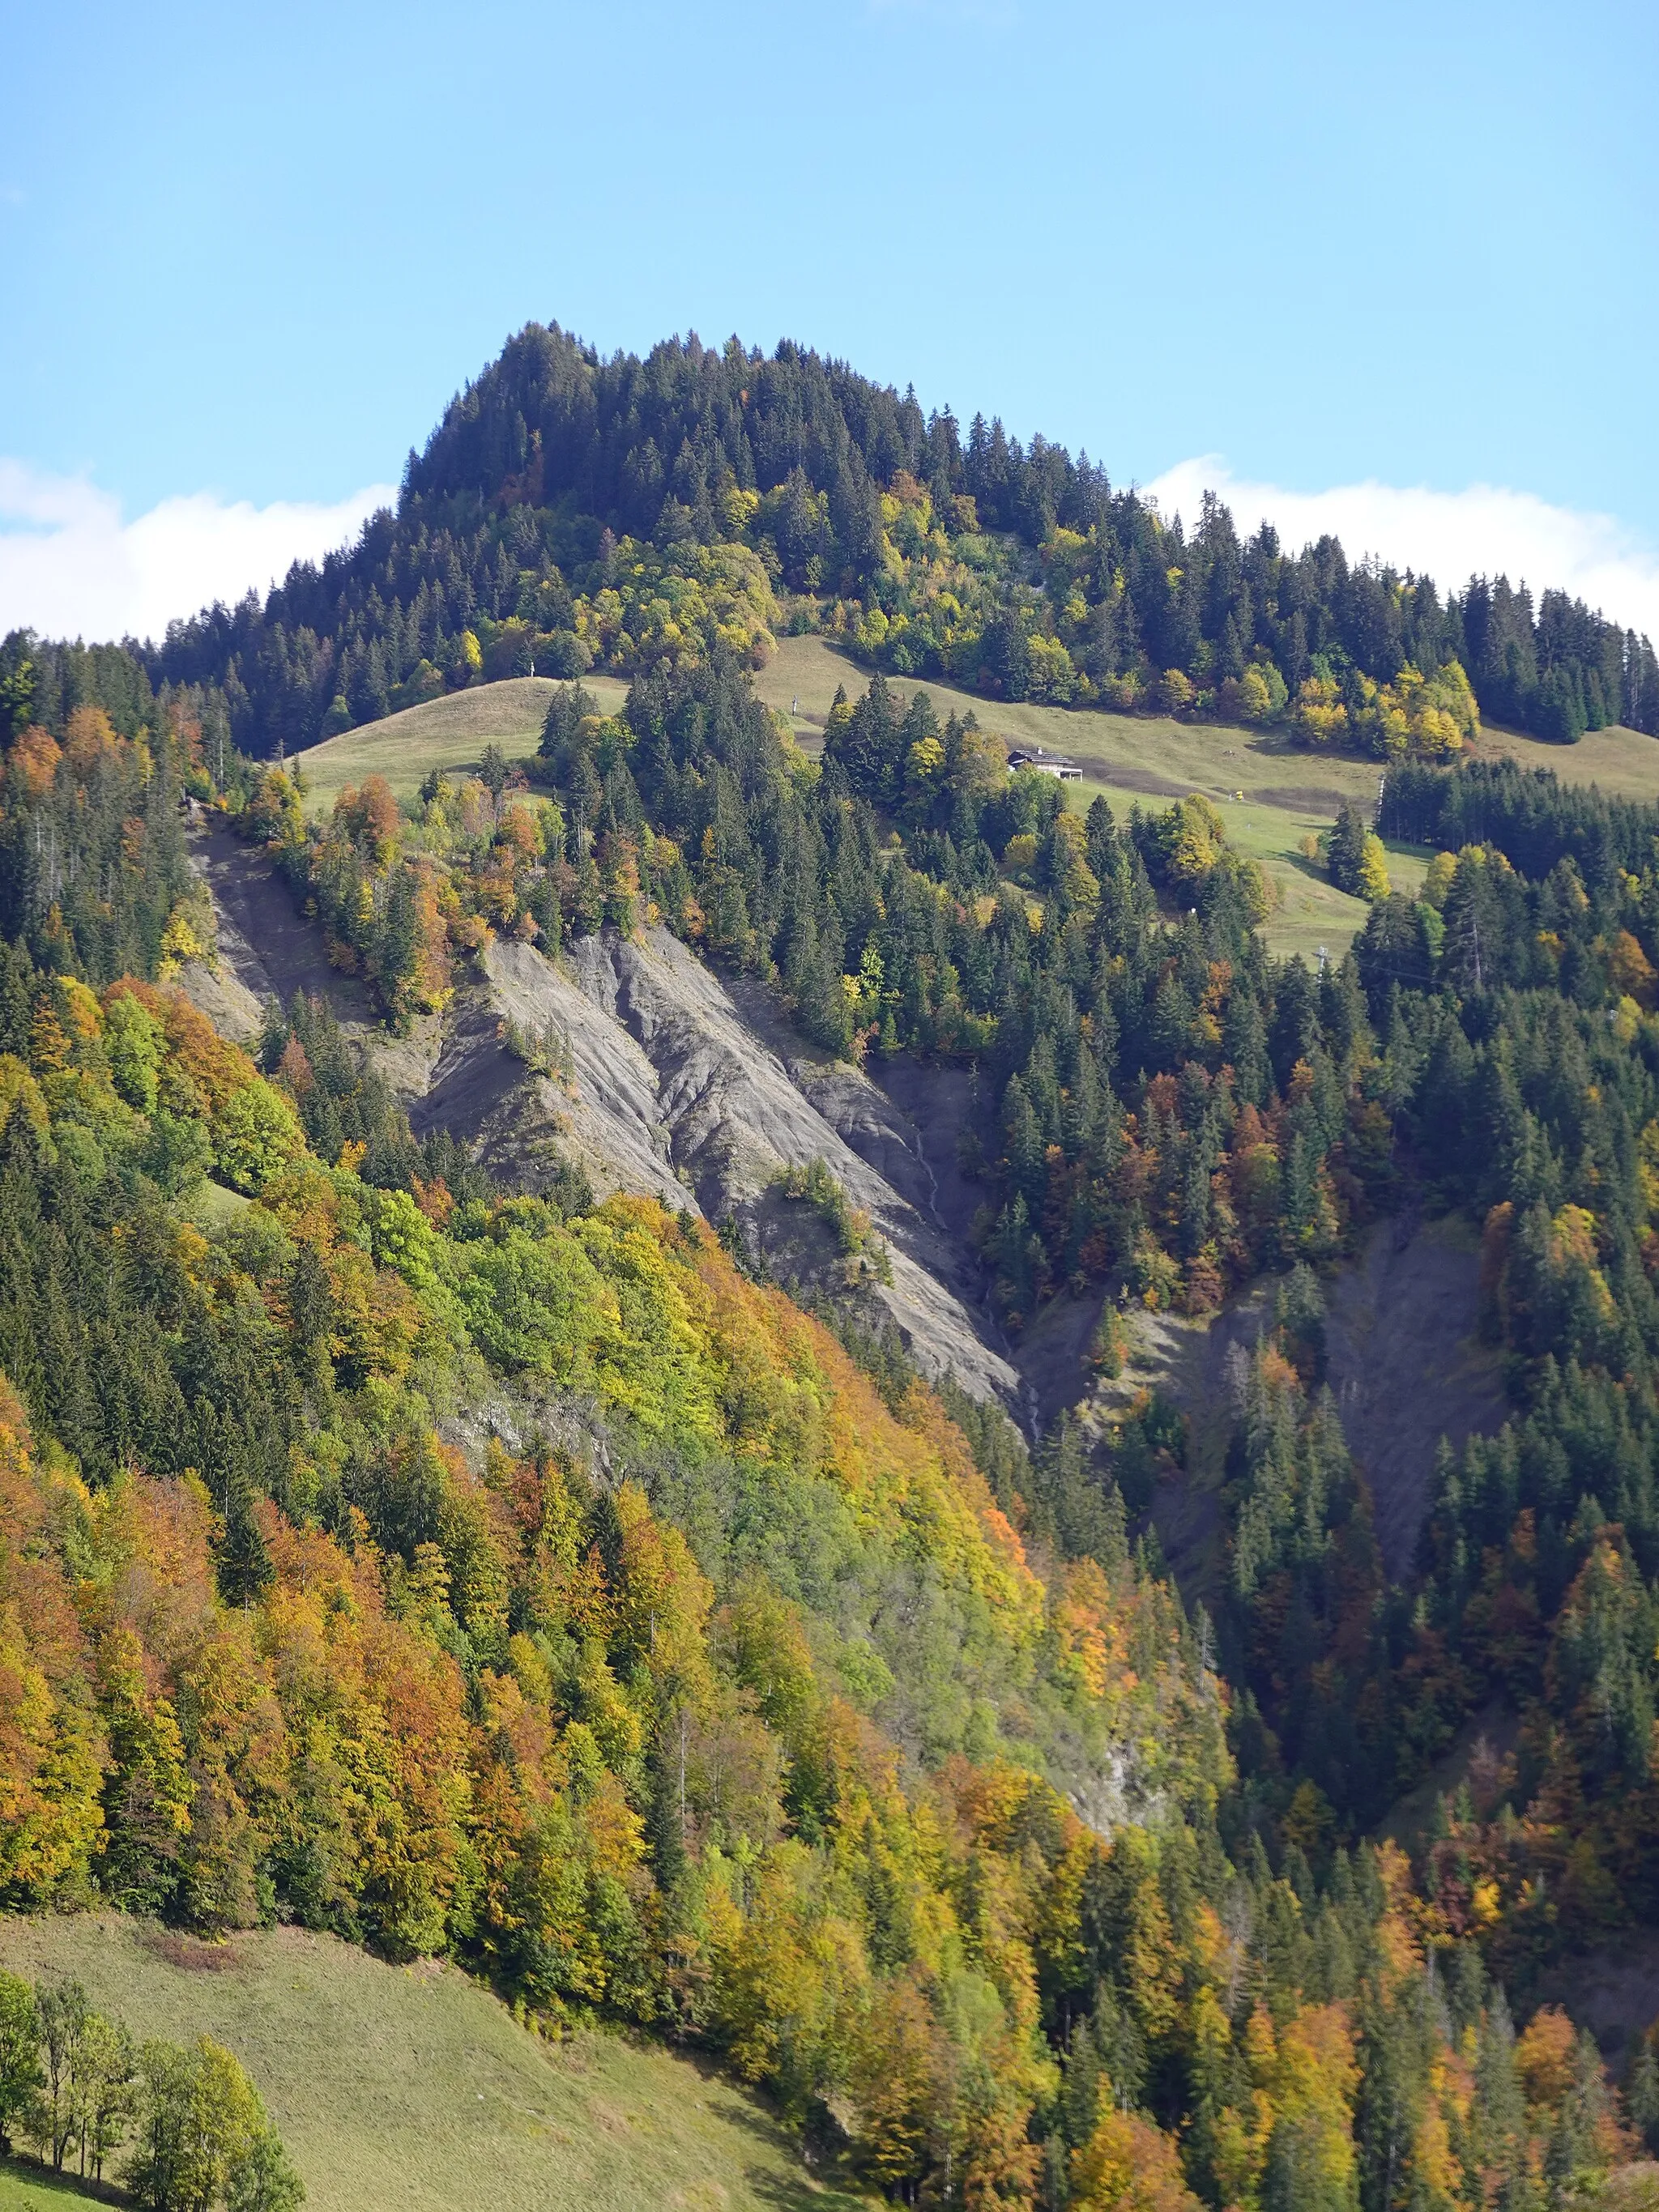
(1449, 535)
(69, 567)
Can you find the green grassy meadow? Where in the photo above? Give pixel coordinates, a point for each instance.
(448, 733)
(1141, 754)
(1270, 794)
(214, 1207)
(1623, 763)
(412, 2089)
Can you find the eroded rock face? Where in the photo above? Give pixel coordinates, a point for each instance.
(668, 1082)
(730, 1111)
(607, 1108)
(679, 1085)
(1408, 1366)
(219, 992)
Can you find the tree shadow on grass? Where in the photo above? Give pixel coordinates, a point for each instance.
(69, 2186)
(784, 2193)
(1303, 867)
(824, 2185)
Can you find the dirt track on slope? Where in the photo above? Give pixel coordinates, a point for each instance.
(264, 939)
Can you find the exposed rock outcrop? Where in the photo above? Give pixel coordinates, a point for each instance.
(667, 1081)
(680, 1088)
(1403, 1357)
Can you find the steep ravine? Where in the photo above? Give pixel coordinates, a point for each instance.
(1404, 1358)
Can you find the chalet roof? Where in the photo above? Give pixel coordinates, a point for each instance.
(1039, 757)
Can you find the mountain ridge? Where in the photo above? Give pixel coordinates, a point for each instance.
(790, 482)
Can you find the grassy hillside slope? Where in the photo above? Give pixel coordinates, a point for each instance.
(414, 2089)
(448, 733)
(1271, 795)
(25, 2187)
(1208, 756)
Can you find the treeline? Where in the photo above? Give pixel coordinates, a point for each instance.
(93, 876)
(1508, 1035)
(1494, 1041)
(1528, 814)
(76, 2085)
(1492, 1036)
(278, 1652)
(1512, 1034)
(571, 512)
(1161, 1111)
(1165, 1138)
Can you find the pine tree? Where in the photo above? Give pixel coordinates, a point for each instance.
(1344, 849)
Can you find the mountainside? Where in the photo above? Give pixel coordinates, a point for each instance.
(798, 1397)
(668, 1085)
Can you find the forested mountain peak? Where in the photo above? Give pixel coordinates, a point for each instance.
(573, 511)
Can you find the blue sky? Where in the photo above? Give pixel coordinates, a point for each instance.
(248, 256)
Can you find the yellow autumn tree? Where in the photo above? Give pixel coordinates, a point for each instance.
(1128, 2165)
(1312, 2163)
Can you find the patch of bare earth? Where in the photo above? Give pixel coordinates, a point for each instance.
(1124, 778)
(1302, 798)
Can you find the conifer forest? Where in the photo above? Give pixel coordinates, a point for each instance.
(1136, 1796)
